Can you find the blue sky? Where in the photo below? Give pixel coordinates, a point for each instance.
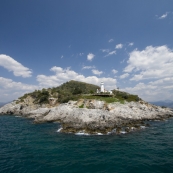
(125, 44)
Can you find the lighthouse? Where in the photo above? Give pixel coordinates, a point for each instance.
(102, 89)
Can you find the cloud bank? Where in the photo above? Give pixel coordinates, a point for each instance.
(10, 90)
(63, 75)
(154, 65)
(150, 63)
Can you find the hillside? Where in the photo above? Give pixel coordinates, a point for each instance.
(74, 90)
(68, 91)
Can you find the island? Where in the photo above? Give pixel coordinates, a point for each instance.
(86, 108)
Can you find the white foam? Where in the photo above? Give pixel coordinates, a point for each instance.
(59, 129)
(123, 132)
(142, 127)
(18, 116)
(99, 134)
(87, 134)
(81, 133)
(132, 128)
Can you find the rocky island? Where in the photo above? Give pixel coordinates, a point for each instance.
(80, 110)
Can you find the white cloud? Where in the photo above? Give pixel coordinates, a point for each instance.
(161, 89)
(90, 56)
(114, 71)
(153, 62)
(119, 46)
(131, 44)
(12, 65)
(125, 75)
(105, 50)
(111, 53)
(164, 16)
(56, 69)
(111, 40)
(97, 72)
(88, 67)
(10, 90)
(64, 75)
(80, 54)
(62, 56)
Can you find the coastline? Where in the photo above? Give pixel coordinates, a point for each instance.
(96, 117)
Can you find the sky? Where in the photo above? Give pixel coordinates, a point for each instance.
(125, 44)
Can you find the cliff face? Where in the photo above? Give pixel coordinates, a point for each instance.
(90, 116)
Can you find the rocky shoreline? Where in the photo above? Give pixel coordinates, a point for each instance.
(91, 116)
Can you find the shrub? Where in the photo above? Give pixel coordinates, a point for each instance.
(81, 106)
(91, 91)
(43, 99)
(77, 91)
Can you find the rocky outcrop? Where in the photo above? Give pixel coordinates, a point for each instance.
(91, 116)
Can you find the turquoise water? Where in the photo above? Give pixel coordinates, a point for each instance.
(26, 147)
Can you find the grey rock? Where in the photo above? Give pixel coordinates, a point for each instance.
(93, 119)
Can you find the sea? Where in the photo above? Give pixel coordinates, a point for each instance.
(26, 147)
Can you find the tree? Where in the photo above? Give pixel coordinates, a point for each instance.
(91, 91)
(77, 91)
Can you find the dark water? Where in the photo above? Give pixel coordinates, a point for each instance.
(27, 147)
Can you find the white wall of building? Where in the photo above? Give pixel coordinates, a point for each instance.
(102, 89)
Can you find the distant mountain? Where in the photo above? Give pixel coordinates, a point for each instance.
(168, 104)
(2, 104)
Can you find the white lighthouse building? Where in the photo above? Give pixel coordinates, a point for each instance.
(102, 89)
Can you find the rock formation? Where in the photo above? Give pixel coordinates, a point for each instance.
(90, 116)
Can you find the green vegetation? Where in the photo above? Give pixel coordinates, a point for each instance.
(71, 90)
(74, 90)
(39, 96)
(101, 98)
(125, 96)
(81, 106)
(22, 98)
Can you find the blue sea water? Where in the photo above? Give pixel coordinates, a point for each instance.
(26, 148)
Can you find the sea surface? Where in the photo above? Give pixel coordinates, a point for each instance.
(26, 147)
